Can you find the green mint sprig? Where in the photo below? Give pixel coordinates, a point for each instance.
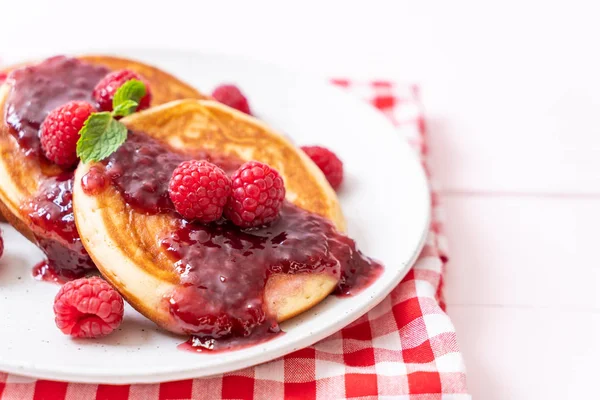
(101, 134)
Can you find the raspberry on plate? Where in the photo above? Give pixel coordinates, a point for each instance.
(199, 190)
(105, 89)
(59, 132)
(88, 308)
(231, 96)
(328, 162)
(257, 194)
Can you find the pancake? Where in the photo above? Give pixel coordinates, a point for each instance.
(124, 242)
(21, 176)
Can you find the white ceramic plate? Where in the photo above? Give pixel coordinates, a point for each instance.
(385, 200)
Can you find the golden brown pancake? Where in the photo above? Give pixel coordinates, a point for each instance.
(124, 243)
(21, 176)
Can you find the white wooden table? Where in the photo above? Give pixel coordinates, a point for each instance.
(512, 91)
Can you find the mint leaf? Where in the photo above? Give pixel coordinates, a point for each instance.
(100, 136)
(131, 91)
(125, 108)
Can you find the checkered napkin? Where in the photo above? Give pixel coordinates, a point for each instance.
(405, 348)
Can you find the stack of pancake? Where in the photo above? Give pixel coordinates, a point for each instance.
(122, 241)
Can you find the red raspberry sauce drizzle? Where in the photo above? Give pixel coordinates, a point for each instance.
(51, 212)
(224, 268)
(142, 167)
(37, 90)
(44, 272)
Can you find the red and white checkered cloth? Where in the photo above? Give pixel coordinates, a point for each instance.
(405, 348)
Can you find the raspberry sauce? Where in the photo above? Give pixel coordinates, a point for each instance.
(142, 167)
(44, 272)
(94, 181)
(51, 212)
(37, 90)
(223, 269)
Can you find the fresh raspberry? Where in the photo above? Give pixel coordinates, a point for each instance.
(88, 308)
(257, 194)
(327, 161)
(231, 96)
(199, 190)
(3, 76)
(1, 243)
(105, 89)
(59, 132)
